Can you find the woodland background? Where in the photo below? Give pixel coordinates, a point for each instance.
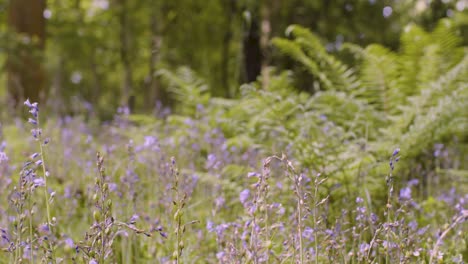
(111, 53)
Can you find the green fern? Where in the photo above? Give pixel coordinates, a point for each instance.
(188, 89)
(306, 48)
(411, 98)
(390, 98)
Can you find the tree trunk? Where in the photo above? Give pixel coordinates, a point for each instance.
(26, 76)
(252, 54)
(127, 97)
(154, 89)
(96, 93)
(229, 13)
(265, 42)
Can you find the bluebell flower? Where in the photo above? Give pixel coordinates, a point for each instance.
(244, 195)
(39, 182)
(3, 157)
(34, 112)
(32, 121)
(363, 248)
(405, 193)
(27, 103)
(210, 226)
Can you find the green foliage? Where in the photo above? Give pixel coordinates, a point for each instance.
(411, 99)
(188, 89)
(307, 49)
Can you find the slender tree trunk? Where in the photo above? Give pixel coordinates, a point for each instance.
(26, 76)
(264, 43)
(252, 54)
(154, 89)
(229, 12)
(127, 97)
(96, 93)
(57, 84)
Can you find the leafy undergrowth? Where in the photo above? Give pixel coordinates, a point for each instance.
(214, 202)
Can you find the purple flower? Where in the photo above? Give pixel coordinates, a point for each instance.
(252, 174)
(457, 259)
(5, 236)
(32, 121)
(244, 195)
(361, 210)
(34, 112)
(220, 201)
(3, 157)
(413, 225)
(308, 233)
(405, 193)
(220, 255)
(438, 149)
(395, 152)
(27, 103)
(374, 218)
(35, 132)
(134, 218)
(211, 161)
(44, 228)
(69, 242)
(423, 230)
(31, 105)
(220, 229)
(363, 248)
(413, 182)
(359, 200)
(39, 182)
(210, 226)
(150, 141)
(113, 187)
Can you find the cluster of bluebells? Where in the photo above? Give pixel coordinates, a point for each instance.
(36, 132)
(36, 157)
(34, 110)
(26, 237)
(3, 155)
(273, 214)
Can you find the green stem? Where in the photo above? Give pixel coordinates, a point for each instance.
(46, 193)
(31, 255)
(389, 206)
(299, 220)
(315, 221)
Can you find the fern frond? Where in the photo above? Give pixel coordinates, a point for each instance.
(306, 48)
(187, 88)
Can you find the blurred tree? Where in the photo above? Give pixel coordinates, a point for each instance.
(252, 54)
(26, 76)
(125, 38)
(230, 10)
(155, 42)
(103, 52)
